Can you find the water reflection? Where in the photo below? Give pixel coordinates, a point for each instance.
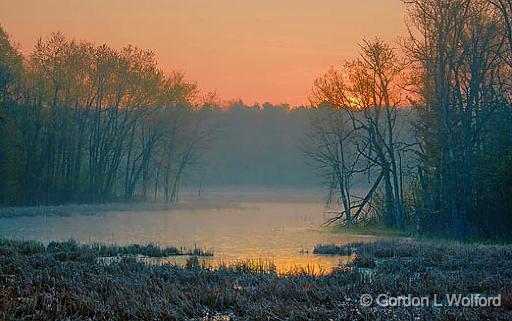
(281, 233)
(308, 264)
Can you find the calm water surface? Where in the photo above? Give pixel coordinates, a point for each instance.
(283, 233)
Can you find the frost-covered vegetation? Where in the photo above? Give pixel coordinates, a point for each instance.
(35, 284)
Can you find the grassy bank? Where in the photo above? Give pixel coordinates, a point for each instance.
(39, 285)
(371, 230)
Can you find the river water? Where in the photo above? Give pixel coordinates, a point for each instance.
(283, 232)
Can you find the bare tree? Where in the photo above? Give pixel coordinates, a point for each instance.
(367, 91)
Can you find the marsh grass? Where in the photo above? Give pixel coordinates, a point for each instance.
(35, 285)
(71, 250)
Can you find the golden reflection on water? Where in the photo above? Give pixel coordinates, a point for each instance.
(306, 264)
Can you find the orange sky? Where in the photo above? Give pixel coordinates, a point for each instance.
(259, 50)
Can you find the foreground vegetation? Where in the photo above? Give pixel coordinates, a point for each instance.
(39, 285)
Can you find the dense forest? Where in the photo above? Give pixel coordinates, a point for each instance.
(452, 173)
(424, 126)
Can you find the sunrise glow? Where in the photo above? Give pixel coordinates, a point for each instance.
(257, 51)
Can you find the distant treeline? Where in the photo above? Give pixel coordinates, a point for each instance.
(451, 173)
(82, 123)
(257, 145)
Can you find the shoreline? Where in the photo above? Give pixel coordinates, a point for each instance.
(95, 209)
(216, 198)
